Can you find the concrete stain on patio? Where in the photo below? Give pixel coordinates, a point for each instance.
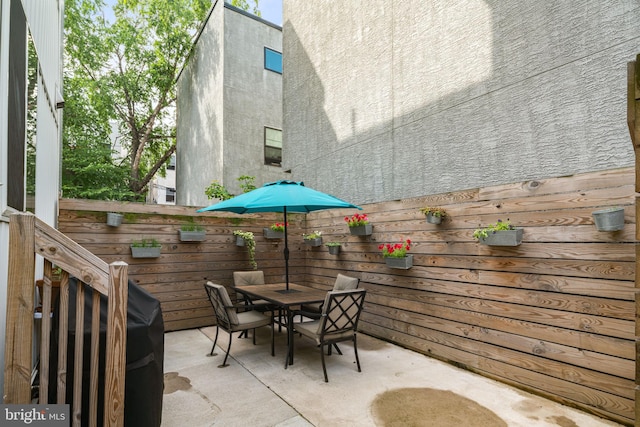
(174, 382)
(430, 407)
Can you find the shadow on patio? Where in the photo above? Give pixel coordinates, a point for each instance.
(256, 390)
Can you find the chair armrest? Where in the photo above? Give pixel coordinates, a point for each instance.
(310, 314)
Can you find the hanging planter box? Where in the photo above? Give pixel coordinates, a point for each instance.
(114, 219)
(432, 219)
(401, 263)
(361, 230)
(192, 236)
(313, 242)
(240, 241)
(503, 238)
(145, 251)
(611, 219)
(334, 250)
(270, 234)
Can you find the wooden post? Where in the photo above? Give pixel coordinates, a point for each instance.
(633, 121)
(116, 343)
(20, 308)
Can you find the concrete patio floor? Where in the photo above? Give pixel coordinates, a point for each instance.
(255, 389)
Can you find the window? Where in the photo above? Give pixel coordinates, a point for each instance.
(172, 163)
(272, 60)
(272, 146)
(170, 195)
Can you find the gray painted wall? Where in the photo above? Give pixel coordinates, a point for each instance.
(387, 99)
(225, 99)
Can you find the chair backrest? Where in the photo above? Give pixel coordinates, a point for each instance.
(226, 315)
(344, 283)
(248, 278)
(341, 311)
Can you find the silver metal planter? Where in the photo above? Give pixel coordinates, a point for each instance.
(361, 230)
(503, 238)
(313, 242)
(114, 219)
(401, 263)
(145, 251)
(334, 250)
(270, 234)
(432, 219)
(611, 219)
(192, 236)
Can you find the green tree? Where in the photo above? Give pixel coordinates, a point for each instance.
(123, 70)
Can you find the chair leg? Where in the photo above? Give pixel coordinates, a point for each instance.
(337, 348)
(324, 367)
(273, 352)
(214, 341)
(224, 363)
(254, 336)
(355, 350)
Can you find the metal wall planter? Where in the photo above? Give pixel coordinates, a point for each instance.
(610, 219)
(145, 251)
(192, 236)
(114, 219)
(503, 238)
(313, 242)
(401, 263)
(270, 234)
(432, 219)
(334, 250)
(361, 230)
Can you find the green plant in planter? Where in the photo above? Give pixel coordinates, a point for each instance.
(398, 250)
(191, 227)
(333, 244)
(311, 236)
(437, 212)
(278, 226)
(250, 243)
(483, 233)
(146, 243)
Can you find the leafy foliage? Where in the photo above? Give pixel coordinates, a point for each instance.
(120, 72)
(216, 190)
(398, 250)
(482, 233)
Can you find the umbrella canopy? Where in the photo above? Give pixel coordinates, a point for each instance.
(281, 196)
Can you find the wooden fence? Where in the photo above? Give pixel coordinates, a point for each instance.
(555, 315)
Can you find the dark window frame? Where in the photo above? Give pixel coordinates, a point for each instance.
(270, 159)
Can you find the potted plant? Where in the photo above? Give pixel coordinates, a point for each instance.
(275, 231)
(313, 239)
(395, 256)
(145, 248)
(246, 238)
(609, 219)
(192, 233)
(114, 219)
(359, 224)
(434, 215)
(502, 233)
(334, 247)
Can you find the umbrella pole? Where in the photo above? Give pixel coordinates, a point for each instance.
(286, 250)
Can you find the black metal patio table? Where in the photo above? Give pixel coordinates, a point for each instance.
(286, 299)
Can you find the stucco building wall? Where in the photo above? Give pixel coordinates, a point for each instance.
(389, 100)
(225, 99)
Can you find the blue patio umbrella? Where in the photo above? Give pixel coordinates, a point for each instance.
(281, 196)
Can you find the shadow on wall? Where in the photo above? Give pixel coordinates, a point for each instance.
(523, 91)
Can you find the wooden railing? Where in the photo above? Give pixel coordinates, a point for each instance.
(28, 237)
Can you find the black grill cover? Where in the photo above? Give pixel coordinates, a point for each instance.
(144, 380)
